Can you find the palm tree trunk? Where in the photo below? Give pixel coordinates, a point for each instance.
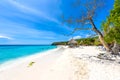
(104, 43)
(101, 38)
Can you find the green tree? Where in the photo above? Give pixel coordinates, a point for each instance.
(115, 13)
(111, 27)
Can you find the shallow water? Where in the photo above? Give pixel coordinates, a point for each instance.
(10, 52)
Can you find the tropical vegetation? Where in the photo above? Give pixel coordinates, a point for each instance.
(111, 27)
(83, 42)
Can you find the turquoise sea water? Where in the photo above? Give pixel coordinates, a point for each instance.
(10, 52)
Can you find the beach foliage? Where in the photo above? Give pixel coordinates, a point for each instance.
(82, 42)
(111, 27)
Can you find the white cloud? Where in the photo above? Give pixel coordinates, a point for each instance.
(76, 37)
(28, 9)
(6, 37)
(87, 35)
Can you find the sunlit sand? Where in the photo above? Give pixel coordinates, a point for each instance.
(64, 64)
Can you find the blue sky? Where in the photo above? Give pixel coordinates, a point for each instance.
(38, 21)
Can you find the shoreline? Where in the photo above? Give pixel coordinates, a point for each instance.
(64, 63)
(17, 61)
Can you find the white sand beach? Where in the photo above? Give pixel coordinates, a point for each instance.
(64, 64)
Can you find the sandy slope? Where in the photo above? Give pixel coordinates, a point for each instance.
(64, 64)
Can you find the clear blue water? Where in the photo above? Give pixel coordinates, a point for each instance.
(9, 52)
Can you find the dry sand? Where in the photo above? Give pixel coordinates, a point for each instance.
(64, 64)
